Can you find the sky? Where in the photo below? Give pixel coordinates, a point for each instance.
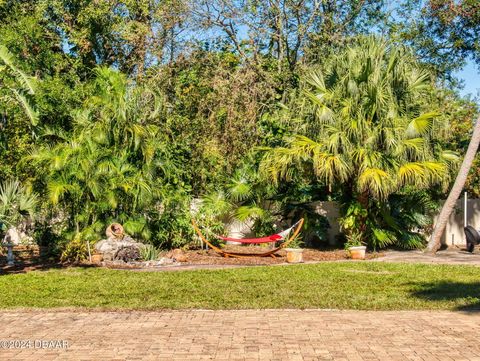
(470, 74)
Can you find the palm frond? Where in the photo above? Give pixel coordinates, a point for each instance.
(382, 237)
(421, 125)
(239, 190)
(27, 82)
(217, 203)
(375, 181)
(30, 111)
(56, 189)
(244, 213)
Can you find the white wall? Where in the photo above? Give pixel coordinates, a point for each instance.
(454, 234)
(330, 210)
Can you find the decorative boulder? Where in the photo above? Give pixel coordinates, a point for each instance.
(16, 236)
(128, 254)
(111, 248)
(13, 236)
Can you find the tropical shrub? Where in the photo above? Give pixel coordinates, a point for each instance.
(372, 133)
(16, 204)
(354, 239)
(74, 251)
(149, 252)
(115, 165)
(171, 226)
(315, 226)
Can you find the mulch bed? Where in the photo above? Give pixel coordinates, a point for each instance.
(200, 258)
(309, 255)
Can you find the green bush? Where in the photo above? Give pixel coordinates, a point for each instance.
(149, 252)
(75, 251)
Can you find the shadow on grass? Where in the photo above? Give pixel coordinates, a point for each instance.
(460, 292)
(24, 267)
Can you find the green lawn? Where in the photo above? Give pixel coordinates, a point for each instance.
(341, 285)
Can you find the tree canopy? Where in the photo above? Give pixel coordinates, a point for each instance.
(130, 110)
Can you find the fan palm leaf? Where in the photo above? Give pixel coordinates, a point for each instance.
(23, 85)
(16, 202)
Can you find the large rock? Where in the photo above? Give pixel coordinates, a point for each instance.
(128, 254)
(12, 236)
(111, 246)
(16, 237)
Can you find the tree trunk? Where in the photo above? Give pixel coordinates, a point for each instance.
(434, 243)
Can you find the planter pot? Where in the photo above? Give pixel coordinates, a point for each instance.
(97, 258)
(357, 252)
(294, 255)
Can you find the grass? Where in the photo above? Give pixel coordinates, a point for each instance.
(339, 285)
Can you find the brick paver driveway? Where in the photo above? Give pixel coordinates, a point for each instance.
(242, 335)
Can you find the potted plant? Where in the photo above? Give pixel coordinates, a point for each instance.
(295, 251)
(355, 247)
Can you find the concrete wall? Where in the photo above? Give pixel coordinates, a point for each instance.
(454, 234)
(330, 210)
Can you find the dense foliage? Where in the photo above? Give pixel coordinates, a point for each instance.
(373, 132)
(144, 112)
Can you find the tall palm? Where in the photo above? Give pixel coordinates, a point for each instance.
(371, 132)
(448, 206)
(20, 86)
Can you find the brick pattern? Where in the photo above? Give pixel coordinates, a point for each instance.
(452, 255)
(24, 254)
(246, 335)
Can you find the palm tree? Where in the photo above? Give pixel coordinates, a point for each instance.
(113, 164)
(371, 134)
(16, 203)
(21, 87)
(448, 206)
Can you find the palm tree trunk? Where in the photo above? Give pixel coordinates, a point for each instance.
(434, 243)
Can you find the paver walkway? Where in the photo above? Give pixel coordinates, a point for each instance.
(448, 256)
(244, 335)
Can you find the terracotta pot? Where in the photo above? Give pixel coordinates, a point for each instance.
(115, 230)
(294, 255)
(357, 252)
(97, 258)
